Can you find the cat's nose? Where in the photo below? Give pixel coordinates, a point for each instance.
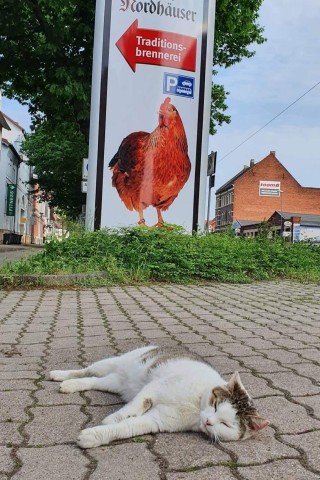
(209, 423)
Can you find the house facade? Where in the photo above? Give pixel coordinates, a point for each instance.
(259, 190)
(19, 209)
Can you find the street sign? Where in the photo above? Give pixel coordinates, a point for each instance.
(179, 85)
(150, 113)
(11, 200)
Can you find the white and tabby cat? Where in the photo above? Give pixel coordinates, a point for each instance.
(166, 392)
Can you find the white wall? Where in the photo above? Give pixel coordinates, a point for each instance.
(309, 233)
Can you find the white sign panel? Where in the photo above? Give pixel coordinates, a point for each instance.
(148, 162)
(268, 188)
(85, 168)
(84, 186)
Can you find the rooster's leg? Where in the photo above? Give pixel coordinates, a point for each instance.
(141, 219)
(160, 221)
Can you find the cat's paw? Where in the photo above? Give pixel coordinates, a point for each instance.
(58, 375)
(71, 386)
(90, 437)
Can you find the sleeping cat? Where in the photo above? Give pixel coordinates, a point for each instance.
(165, 392)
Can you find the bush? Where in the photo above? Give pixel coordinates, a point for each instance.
(169, 254)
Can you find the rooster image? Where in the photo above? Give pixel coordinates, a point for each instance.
(152, 168)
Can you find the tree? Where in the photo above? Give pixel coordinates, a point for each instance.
(46, 61)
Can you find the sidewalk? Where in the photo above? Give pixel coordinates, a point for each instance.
(12, 253)
(270, 332)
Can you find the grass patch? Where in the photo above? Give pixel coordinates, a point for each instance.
(140, 255)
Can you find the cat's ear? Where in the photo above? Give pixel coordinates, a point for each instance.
(235, 383)
(257, 423)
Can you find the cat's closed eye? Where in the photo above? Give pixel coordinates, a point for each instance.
(226, 424)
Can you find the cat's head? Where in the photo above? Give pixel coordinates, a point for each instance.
(228, 413)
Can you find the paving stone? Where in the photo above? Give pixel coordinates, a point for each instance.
(286, 416)
(94, 354)
(55, 424)
(294, 384)
(187, 450)
(9, 433)
(6, 463)
(13, 405)
(53, 463)
(310, 353)
(189, 337)
(97, 414)
(284, 470)
(204, 349)
(19, 375)
(50, 395)
(312, 401)
(125, 334)
(17, 363)
(103, 398)
(214, 473)
(257, 387)
(67, 342)
(309, 370)
(96, 341)
(128, 461)
(284, 357)
(16, 384)
(261, 448)
(310, 443)
(263, 365)
(224, 365)
(238, 350)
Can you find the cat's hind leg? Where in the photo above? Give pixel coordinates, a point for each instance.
(96, 369)
(110, 383)
(128, 428)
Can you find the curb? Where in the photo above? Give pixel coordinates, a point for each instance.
(47, 280)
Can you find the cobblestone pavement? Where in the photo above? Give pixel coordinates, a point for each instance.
(270, 332)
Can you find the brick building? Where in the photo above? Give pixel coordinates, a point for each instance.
(259, 190)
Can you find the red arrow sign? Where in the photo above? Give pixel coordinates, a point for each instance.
(156, 47)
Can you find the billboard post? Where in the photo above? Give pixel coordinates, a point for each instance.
(150, 113)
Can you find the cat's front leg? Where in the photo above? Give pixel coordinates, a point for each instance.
(137, 407)
(128, 428)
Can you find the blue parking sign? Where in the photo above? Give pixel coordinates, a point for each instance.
(179, 85)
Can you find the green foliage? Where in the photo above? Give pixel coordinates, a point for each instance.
(57, 151)
(46, 61)
(170, 255)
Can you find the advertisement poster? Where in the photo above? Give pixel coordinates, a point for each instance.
(150, 168)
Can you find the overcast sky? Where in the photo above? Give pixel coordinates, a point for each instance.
(283, 69)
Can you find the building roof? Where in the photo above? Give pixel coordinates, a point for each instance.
(9, 145)
(14, 122)
(245, 223)
(306, 218)
(230, 182)
(3, 122)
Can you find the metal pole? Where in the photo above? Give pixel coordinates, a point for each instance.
(209, 203)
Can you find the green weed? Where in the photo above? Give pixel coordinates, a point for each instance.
(140, 255)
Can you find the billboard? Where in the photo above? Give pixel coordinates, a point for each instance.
(150, 112)
(268, 188)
